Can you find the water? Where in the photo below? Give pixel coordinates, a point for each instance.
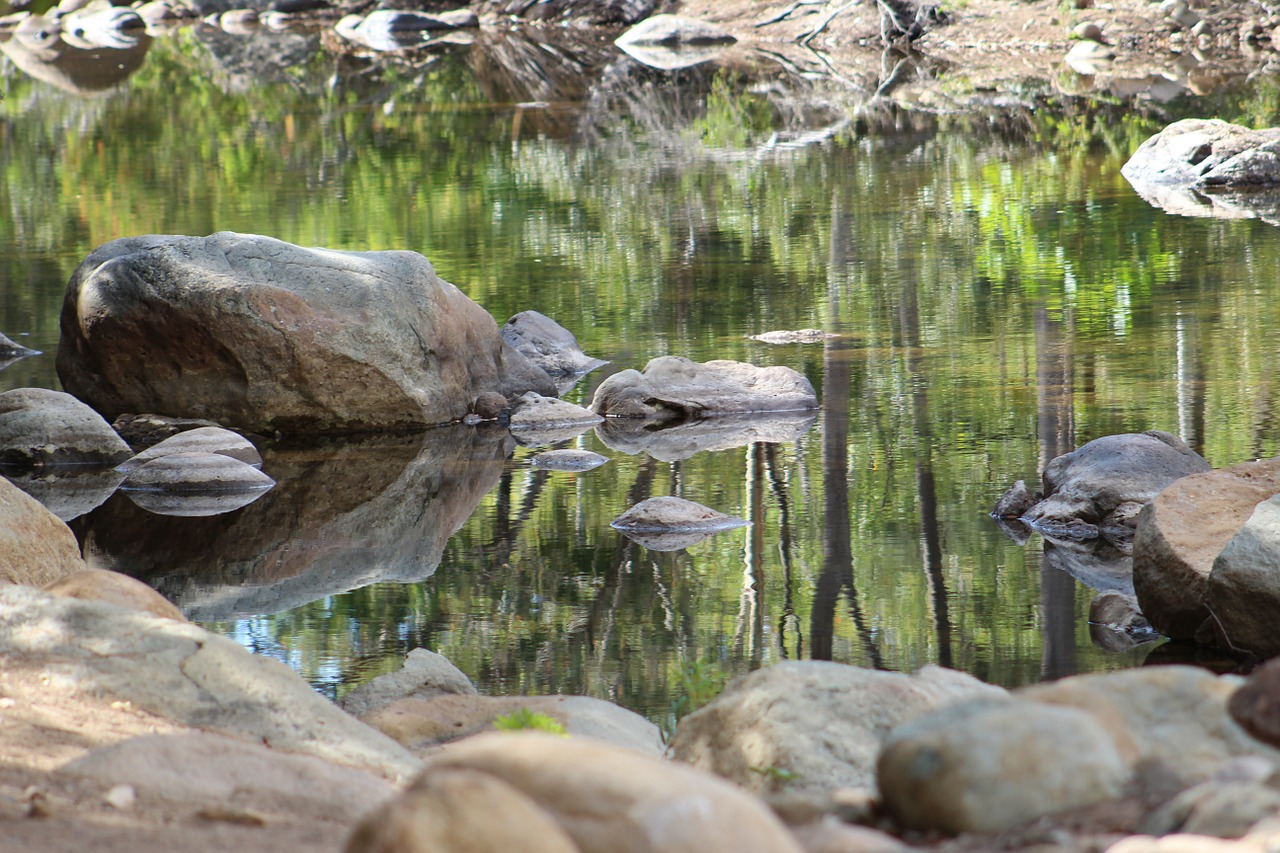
(1000, 293)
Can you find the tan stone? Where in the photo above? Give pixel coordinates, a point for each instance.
(113, 587)
(36, 547)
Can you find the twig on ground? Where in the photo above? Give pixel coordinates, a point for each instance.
(785, 13)
(831, 16)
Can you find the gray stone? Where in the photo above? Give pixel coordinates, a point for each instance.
(677, 441)
(672, 387)
(186, 674)
(196, 473)
(821, 721)
(963, 768)
(261, 335)
(1243, 591)
(797, 336)
(39, 427)
(1207, 153)
(425, 675)
(674, 30)
(36, 547)
(1181, 533)
(115, 588)
(534, 413)
(568, 460)
(671, 523)
(548, 344)
(200, 440)
(1217, 809)
(1098, 489)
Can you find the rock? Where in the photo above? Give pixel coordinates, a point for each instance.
(1217, 809)
(831, 835)
(672, 387)
(202, 768)
(674, 30)
(1015, 502)
(490, 406)
(1116, 623)
(1256, 705)
(239, 21)
(214, 439)
(115, 588)
(1181, 533)
(821, 721)
(459, 18)
(1171, 717)
(445, 809)
(1088, 30)
(261, 335)
(536, 415)
(1100, 564)
(798, 336)
(196, 473)
(96, 26)
(548, 344)
(11, 351)
(1205, 153)
(612, 799)
(420, 724)
(568, 460)
(41, 427)
(954, 769)
(36, 547)
(1243, 591)
(188, 675)
(674, 442)
(143, 431)
(1180, 14)
(1089, 57)
(390, 29)
(187, 504)
(1099, 488)
(425, 675)
(671, 523)
(68, 491)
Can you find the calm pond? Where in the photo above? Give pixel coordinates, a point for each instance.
(998, 292)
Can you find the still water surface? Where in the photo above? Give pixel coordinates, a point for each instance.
(999, 292)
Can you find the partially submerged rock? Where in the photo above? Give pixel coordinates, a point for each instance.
(1207, 153)
(568, 460)
(261, 335)
(548, 344)
(425, 675)
(796, 336)
(194, 472)
(671, 523)
(222, 442)
(40, 427)
(674, 388)
(68, 491)
(535, 415)
(673, 441)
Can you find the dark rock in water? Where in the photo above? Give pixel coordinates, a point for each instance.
(672, 442)
(142, 431)
(1116, 624)
(489, 405)
(1256, 705)
(261, 335)
(217, 440)
(296, 7)
(670, 523)
(569, 460)
(68, 491)
(1098, 489)
(1207, 153)
(674, 388)
(39, 427)
(195, 473)
(1015, 502)
(548, 344)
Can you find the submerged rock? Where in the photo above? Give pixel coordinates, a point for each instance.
(672, 442)
(672, 387)
(798, 336)
(39, 427)
(569, 460)
(262, 335)
(671, 30)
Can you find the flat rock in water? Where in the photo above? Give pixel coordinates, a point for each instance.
(548, 344)
(263, 336)
(196, 473)
(674, 30)
(425, 675)
(534, 412)
(42, 427)
(217, 440)
(676, 441)
(671, 514)
(672, 387)
(568, 460)
(798, 336)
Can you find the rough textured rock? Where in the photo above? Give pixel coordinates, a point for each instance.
(238, 776)
(196, 473)
(118, 589)
(1207, 153)
(675, 30)
(677, 441)
(262, 335)
(425, 675)
(456, 807)
(1099, 488)
(217, 440)
(145, 430)
(1183, 530)
(42, 427)
(615, 800)
(36, 547)
(548, 344)
(672, 387)
(186, 674)
(420, 724)
(1015, 502)
(1173, 717)
(1243, 592)
(821, 721)
(954, 769)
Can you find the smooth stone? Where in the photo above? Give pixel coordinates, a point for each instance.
(952, 770)
(821, 721)
(68, 491)
(39, 427)
(671, 514)
(797, 336)
(548, 344)
(1243, 591)
(674, 29)
(673, 387)
(36, 547)
(568, 460)
(214, 439)
(190, 472)
(114, 588)
(192, 504)
(674, 442)
(615, 800)
(1256, 705)
(425, 675)
(535, 413)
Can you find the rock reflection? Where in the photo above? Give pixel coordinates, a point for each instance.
(1219, 203)
(342, 516)
(675, 443)
(68, 491)
(80, 70)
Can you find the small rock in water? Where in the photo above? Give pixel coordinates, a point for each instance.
(222, 442)
(670, 523)
(489, 405)
(569, 460)
(800, 336)
(197, 473)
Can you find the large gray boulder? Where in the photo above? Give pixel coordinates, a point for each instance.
(1181, 533)
(819, 723)
(1243, 592)
(185, 674)
(1207, 153)
(39, 427)
(1098, 489)
(36, 547)
(262, 335)
(675, 388)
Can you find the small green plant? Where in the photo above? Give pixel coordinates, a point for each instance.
(524, 719)
(779, 776)
(699, 683)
